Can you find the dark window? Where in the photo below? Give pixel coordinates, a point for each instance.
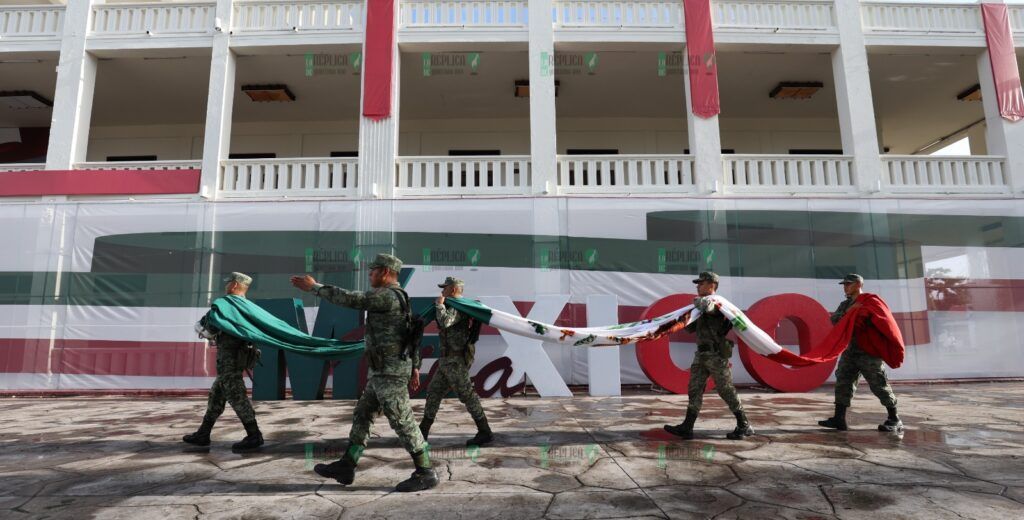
(252, 156)
(344, 154)
(130, 158)
(461, 153)
(724, 151)
(592, 151)
(815, 151)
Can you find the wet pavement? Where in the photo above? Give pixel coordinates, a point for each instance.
(962, 456)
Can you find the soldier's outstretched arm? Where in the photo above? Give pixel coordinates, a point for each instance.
(367, 301)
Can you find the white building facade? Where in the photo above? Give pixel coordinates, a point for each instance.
(568, 123)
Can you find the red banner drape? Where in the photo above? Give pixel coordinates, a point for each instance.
(1005, 74)
(701, 60)
(378, 59)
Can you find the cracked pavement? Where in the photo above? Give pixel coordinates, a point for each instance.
(962, 456)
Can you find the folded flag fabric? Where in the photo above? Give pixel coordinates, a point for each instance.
(244, 319)
(872, 323)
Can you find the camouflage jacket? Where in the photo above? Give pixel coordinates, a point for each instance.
(711, 328)
(454, 331)
(386, 326)
(838, 315)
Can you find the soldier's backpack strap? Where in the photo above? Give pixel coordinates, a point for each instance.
(414, 325)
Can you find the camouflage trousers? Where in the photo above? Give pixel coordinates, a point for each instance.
(852, 364)
(711, 364)
(388, 395)
(228, 387)
(452, 373)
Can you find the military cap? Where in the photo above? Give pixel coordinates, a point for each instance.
(451, 280)
(389, 262)
(241, 278)
(706, 276)
(852, 278)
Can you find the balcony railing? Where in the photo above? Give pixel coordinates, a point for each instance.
(177, 19)
(788, 174)
(911, 18)
(22, 167)
(142, 165)
(268, 16)
(472, 14)
(930, 174)
(794, 15)
(604, 14)
(1016, 14)
(31, 21)
(478, 175)
(665, 174)
(303, 177)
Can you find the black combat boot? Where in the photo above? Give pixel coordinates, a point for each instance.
(425, 425)
(423, 478)
(743, 428)
(252, 441)
(342, 470)
(201, 437)
(892, 423)
(837, 421)
(483, 433)
(685, 428)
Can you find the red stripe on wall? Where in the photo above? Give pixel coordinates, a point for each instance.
(994, 295)
(98, 182)
(107, 357)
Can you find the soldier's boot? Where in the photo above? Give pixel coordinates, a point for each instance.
(743, 428)
(685, 428)
(483, 433)
(425, 425)
(837, 421)
(342, 470)
(892, 423)
(252, 441)
(421, 479)
(201, 437)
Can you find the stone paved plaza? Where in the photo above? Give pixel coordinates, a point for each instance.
(962, 456)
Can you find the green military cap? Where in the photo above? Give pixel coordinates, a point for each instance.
(389, 262)
(852, 278)
(451, 280)
(706, 276)
(241, 278)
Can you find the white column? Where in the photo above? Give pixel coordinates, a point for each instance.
(705, 144)
(1002, 137)
(604, 375)
(378, 140)
(543, 145)
(219, 104)
(76, 82)
(853, 97)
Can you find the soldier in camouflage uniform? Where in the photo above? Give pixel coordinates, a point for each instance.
(855, 362)
(233, 357)
(457, 350)
(392, 371)
(712, 359)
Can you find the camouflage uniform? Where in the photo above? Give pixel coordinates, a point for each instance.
(453, 367)
(233, 357)
(855, 362)
(387, 388)
(712, 359)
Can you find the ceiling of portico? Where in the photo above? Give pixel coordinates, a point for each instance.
(36, 72)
